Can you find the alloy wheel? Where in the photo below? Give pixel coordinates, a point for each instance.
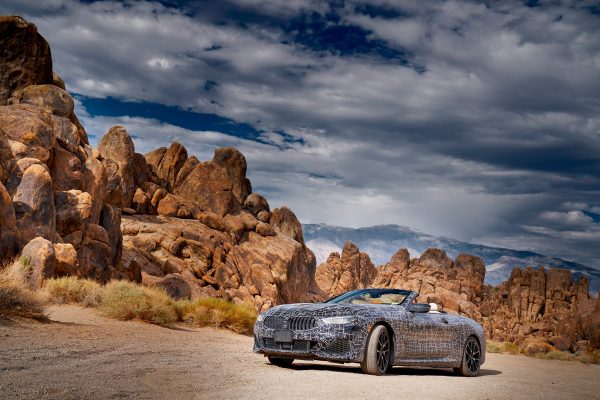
(383, 351)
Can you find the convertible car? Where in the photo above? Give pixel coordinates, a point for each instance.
(378, 328)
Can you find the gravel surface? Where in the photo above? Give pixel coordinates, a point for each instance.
(81, 355)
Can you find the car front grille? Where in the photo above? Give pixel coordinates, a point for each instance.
(293, 323)
(301, 323)
(274, 322)
(296, 345)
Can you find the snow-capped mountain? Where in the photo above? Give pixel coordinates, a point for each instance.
(382, 241)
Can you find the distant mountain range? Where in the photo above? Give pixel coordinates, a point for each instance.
(382, 241)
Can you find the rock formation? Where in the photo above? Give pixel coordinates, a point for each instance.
(545, 304)
(533, 308)
(193, 228)
(339, 274)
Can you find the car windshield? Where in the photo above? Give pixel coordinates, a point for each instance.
(371, 296)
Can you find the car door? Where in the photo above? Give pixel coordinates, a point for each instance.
(428, 336)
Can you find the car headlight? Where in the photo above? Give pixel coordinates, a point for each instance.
(261, 317)
(346, 319)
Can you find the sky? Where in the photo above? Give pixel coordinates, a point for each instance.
(479, 121)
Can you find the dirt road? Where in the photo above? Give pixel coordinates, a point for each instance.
(84, 356)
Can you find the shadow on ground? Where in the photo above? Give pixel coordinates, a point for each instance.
(408, 371)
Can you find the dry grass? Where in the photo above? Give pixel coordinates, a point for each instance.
(218, 313)
(556, 355)
(16, 298)
(71, 289)
(126, 300)
(502, 347)
(590, 357)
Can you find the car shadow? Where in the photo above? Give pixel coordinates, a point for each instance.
(409, 371)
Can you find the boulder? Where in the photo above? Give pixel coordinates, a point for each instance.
(25, 57)
(435, 259)
(210, 187)
(95, 182)
(66, 134)
(39, 260)
(33, 202)
(185, 169)
(166, 164)
(114, 184)
(234, 164)
(29, 131)
(66, 259)
(175, 286)
(94, 254)
(47, 96)
(65, 170)
(10, 238)
(168, 206)
(284, 219)
(255, 203)
(265, 229)
(73, 213)
(116, 145)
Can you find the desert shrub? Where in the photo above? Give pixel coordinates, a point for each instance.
(502, 347)
(556, 355)
(71, 289)
(511, 348)
(494, 347)
(125, 300)
(218, 313)
(16, 298)
(590, 357)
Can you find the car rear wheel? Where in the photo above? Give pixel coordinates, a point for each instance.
(378, 352)
(281, 362)
(471, 359)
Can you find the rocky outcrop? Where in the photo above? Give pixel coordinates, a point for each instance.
(24, 56)
(351, 270)
(211, 258)
(52, 188)
(537, 309)
(544, 304)
(455, 285)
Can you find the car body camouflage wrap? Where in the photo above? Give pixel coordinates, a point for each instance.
(419, 339)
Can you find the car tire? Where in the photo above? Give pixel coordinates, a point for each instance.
(281, 362)
(376, 360)
(471, 358)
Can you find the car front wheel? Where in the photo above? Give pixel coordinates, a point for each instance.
(471, 358)
(378, 352)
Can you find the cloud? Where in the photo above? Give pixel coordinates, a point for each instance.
(475, 121)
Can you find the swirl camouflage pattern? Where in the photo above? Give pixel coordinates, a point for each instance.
(378, 328)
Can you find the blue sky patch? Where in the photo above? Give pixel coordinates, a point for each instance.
(193, 121)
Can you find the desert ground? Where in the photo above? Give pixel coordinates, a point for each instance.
(82, 355)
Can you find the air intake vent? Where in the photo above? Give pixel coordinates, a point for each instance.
(274, 322)
(301, 323)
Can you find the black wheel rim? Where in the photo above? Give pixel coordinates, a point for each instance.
(383, 351)
(472, 356)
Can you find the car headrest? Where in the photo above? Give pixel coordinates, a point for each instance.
(434, 308)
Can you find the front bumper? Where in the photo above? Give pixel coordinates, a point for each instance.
(341, 343)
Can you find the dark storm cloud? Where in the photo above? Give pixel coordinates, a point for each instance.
(475, 120)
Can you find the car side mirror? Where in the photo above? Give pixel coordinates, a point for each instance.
(419, 308)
